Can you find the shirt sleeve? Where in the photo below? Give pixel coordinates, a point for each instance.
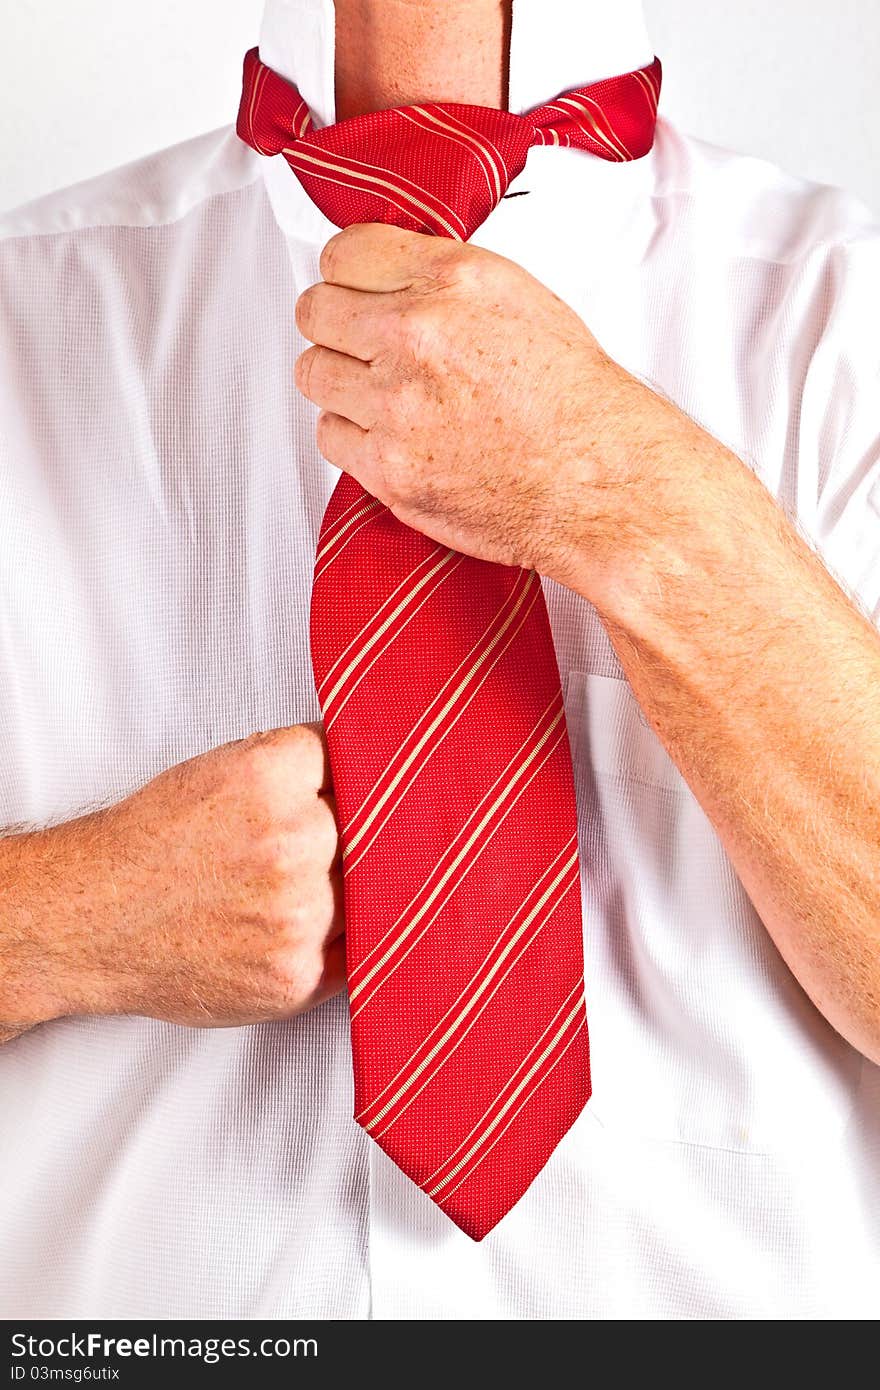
(838, 422)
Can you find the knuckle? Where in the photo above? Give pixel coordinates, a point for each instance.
(311, 973)
(259, 776)
(275, 864)
(327, 833)
(294, 736)
(255, 750)
(310, 907)
(270, 741)
(466, 267)
(273, 766)
(313, 843)
(281, 909)
(418, 331)
(259, 738)
(300, 920)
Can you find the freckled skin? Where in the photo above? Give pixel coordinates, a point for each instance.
(398, 52)
(432, 360)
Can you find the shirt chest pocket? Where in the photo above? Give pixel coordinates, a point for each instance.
(699, 1032)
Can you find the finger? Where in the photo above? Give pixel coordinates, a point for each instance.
(323, 832)
(299, 754)
(376, 257)
(315, 741)
(309, 838)
(334, 974)
(330, 801)
(337, 383)
(339, 318)
(346, 445)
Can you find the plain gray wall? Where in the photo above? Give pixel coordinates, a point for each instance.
(88, 84)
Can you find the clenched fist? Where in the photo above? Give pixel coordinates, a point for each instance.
(211, 897)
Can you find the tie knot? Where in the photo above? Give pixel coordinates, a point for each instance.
(437, 167)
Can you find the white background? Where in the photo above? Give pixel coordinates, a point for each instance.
(90, 84)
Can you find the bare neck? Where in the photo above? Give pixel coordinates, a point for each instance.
(398, 52)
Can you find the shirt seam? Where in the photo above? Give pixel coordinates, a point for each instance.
(127, 223)
(869, 233)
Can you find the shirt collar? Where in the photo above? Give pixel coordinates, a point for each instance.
(554, 45)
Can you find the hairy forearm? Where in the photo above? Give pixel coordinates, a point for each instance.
(48, 903)
(761, 678)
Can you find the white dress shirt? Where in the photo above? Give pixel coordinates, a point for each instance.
(160, 495)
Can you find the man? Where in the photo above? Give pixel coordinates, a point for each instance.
(176, 1086)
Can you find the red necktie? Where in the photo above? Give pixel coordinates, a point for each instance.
(443, 713)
